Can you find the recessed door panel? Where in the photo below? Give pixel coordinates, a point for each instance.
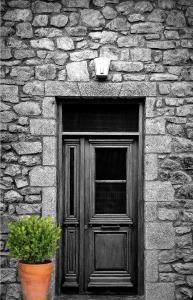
(110, 251)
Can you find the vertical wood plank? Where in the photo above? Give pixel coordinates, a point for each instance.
(82, 194)
(140, 204)
(59, 257)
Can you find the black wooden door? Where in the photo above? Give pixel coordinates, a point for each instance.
(100, 214)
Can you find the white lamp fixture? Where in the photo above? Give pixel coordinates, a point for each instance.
(102, 67)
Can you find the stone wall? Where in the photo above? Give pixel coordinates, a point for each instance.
(47, 50)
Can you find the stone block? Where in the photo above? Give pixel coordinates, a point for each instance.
(49, 107)
(108, 37)
(92, 18)
(176, 19)
(43, 176)
(157, 144)
(138, 89)
(8, 275)
(147, 27)
(48, 32)
(45, 72)
(164, 88)
(159, 235)
(118, 24)
(175, 57)
(21, 182)
(166, 4)
(59, 20)
(40, 21)
(151, 166)
(77, 71)
(159, 191)
(130, 41)
(46, 7)
(22, 73)
(24, 30)
(49, 202)
(123, 66)
(7, 116)
(27, 147)
(165, 214)
(163, 45)
(150, 211)
(109, 13)
(12, 170)
(32, 198)
(58, 88)
(42, 127)
(185, 192)
(181, 89)
(182, 145)
(9, 93)
(35, 88)
(143, 6)
(99, 89)
(140, 54)
(83, 55)
(125, 7)
(49, 151)
(151, 266)
(163, 77)
(12, 196)
(155, 126)
(160, 291)
(27, 108)
(77, 31)
(76, 3)
(24, 53)
(65, 43)
(28, 209)
(5, 220)
(5, 53)
(13, 290)
(183, 268)
(44, 43)
(17, 15)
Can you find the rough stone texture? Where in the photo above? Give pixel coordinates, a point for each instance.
(160, 291)
(27, 147)
(27, 109)
(43, 176)
(42, 127)
(49, 151)
(157, 191)
(47, 50)
(77, 71)
(159, 235)
(92, 18)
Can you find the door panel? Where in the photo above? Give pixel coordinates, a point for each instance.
(110, 213)
(100, 232)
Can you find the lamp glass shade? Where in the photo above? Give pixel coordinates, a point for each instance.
(102, 67)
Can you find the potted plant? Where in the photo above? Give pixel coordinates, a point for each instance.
(33, 240)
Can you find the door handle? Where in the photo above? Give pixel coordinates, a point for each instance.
(110, 227)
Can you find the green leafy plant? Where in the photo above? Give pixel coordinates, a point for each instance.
(33, 240)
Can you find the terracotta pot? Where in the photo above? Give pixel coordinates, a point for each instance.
(35, 279)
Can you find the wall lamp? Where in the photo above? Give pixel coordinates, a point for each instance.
(102, 67)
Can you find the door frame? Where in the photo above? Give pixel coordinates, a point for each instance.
(140, 202)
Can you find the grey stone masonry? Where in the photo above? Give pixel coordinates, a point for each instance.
(48, 50)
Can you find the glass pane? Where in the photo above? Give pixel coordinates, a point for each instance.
(110, 164)
(99, 118)
(110, 198)
(71, 181)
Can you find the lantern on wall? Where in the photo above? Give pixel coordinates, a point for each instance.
(102, 67)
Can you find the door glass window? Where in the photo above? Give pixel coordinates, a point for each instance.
(110, 180)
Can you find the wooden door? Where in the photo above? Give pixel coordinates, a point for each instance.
(100, 214)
